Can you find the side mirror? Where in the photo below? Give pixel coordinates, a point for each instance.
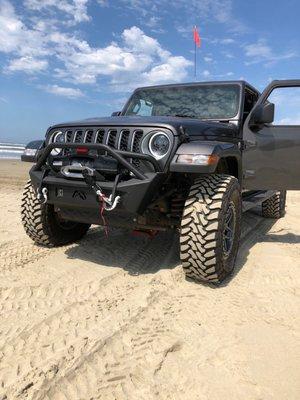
(31, 151)
(116, 113)
(263, 114)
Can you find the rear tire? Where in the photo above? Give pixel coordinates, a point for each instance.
(274, 207)
(210, 228)
(43, 225)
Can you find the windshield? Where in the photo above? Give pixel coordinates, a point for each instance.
(206, 102)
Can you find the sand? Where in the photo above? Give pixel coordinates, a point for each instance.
(116, 319)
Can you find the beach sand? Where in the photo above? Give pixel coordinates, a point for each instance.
(116, 319)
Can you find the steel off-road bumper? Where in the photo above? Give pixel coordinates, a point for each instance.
(75, 200)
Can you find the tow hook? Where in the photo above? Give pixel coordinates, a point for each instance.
(110, 203)
(42, 195)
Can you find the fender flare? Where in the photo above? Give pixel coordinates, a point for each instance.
(219, 149)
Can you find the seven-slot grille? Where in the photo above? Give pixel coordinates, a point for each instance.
(119, 139)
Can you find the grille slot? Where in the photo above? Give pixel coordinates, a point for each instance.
(136, 146)
(78, 138)
(136, 141)
(69, 136)
(88, 136)
(100, 136)
(124, 140)
(111, 138)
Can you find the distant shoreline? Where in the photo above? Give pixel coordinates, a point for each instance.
(11, 151)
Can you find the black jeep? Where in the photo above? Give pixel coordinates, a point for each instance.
(189, 156)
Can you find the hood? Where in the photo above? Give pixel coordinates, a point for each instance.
(192, 126)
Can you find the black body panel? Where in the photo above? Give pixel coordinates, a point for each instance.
(271, 152)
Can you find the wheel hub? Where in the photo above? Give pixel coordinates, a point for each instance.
(229, 229)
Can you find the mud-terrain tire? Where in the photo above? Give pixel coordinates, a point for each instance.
(43, 225)
(274, 207)
(210, 228)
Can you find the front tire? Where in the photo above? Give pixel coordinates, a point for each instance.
(43, 225)
(210, 228)
(274, 207)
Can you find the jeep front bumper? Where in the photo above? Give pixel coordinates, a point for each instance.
(136, 193)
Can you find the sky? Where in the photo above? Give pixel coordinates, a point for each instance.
(63, 60)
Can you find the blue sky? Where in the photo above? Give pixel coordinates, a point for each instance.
(62, 60)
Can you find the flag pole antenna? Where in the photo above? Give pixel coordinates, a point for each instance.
(195, 54)
(197, 43)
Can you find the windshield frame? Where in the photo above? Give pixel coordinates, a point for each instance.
(237, 117)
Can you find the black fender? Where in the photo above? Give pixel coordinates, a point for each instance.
(222, 150)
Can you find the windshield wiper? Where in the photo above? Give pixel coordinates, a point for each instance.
(183, 116)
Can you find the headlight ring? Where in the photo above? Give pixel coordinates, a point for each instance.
(57, 137)
(159, 145)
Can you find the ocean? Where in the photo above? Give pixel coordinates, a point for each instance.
(11, 150)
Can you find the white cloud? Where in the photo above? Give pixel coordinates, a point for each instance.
(218, 41)
(206, 73)
(174, 69)
(227, 41)
(27, 64)
(75, 9)
(152, 22)
(182, 13)
(220, 10)
(137, 41)
(139, 59)
(34, 45)
(64, 91)
(262, 52)
(27, 46)
(208, 59)
(228, 54)
(293, 120)
(15, 36)
(103, 3)
(259, 49)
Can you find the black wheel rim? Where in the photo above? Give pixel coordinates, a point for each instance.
(229, 230)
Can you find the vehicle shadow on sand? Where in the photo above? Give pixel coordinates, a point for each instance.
(144, 255)
(122, 249)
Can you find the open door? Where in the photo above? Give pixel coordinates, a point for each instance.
(271, 139)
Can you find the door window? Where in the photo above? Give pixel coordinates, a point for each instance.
(287, 105)
(250, 100)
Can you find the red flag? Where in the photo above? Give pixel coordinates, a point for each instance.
(197, 38)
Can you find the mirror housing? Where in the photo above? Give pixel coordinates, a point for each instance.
(116, 113)
(263, 114)
(31, 151)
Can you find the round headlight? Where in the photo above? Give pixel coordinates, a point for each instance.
(57, 137)
(159, 144)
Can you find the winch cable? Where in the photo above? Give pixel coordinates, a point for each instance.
(106, 203)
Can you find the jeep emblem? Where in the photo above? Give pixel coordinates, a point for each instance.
(79, 194)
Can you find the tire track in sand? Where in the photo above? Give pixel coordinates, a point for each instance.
(66, 339)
